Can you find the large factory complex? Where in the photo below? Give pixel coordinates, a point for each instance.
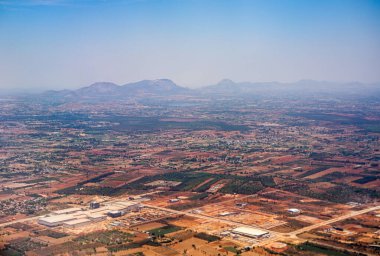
(76, 217)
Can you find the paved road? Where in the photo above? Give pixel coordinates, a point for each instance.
(20, 220)
(321, 224)
(333, 220)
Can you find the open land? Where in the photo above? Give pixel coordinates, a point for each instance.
(199, 176)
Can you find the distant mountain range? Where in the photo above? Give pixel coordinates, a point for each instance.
(144, 88)
(166, 87)
(228, 86)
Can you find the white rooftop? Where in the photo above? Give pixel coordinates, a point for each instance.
(57, 218)
(76, 221)
(114, 212)
(68, 210)
(95, 215)
(124, 203)
(249, 231)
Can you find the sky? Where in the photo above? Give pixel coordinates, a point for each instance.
(57, 44)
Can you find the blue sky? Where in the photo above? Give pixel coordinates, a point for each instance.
(71, 43)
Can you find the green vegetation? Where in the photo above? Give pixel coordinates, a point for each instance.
(319, 249)
(314, 171)
(331, 176)
(207, 237)
(188, 179)
(231, 249)
(97, 178)
(43, 179)
(164, 230)
(199, 196)
(121, 247)
(52, 233)
(190, 183)
(242, 187)
(207, 185)
(10, 252)
(105, 191)
(235, 184)
(340, 193)
(111, 237)
(23, 245)
(267, 181)
(366, 179)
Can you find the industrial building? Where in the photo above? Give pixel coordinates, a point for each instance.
(76, 217)
(94, 205)
(67, 211)
(115, 214)
(56, 220)
(124, 206)
(77, 223)
(250, 232)
(96, 216)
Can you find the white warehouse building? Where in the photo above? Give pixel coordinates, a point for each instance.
(53, 221)
(250, 232)
(77, 223)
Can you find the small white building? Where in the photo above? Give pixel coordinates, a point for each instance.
(224, 214)
(241, 204)
(294, 211)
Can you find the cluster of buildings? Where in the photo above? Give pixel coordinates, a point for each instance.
(77, 217)
(23, 205)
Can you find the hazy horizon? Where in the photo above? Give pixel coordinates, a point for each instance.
(66, 44)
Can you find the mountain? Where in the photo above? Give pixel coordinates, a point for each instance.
(158, 87)
(110, 91)
(302, 87)
(98, 89)
(106, 91)
(227, 86)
